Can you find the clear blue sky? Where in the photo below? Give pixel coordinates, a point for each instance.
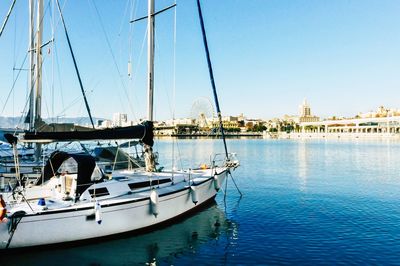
(342, 55)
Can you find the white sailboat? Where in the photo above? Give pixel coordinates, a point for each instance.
(152, 248)
(74, 200)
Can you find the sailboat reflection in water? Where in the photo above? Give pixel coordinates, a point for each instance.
(74, 200)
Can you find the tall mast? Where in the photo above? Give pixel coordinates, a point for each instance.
(150, 60)
(31, 64)
(38, 76)
(39, 26)
(148, 150)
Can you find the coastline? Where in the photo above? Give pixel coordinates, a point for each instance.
(322, 135)
(285, 135)
(212, 136)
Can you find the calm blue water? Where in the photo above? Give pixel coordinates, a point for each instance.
(312, 202)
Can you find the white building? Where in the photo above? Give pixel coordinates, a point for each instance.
(180, 121)
(305, 113)
(119, 120)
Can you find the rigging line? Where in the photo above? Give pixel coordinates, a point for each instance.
(20, 118)
(210, 70)
(55, 25)
(154, 14)
(129, 43)
(139, 60)
(142, 49)
(162, 76)
(14, 83)
(75, 65)
(234, 182)
(174, 69)
(179, 154)
(174, 92)
(174, 83)
(123, 18)
(54, 55)
(46, 78)
(59, 76)
(115, 159)
(125, 15)
(65, 145)
(47, 84)
(7, 17)
(226, 190)
(15, 59)
(131, 28)
(133, 12)
(52, 16)
(113, 57)
(71, 104)
(57, 60)
(26, 103)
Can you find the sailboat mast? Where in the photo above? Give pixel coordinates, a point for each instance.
(38, 76)
(31, 64)
(148, 151)
(39, 26)
(150, 60)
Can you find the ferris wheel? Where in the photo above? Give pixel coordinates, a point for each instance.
(203, 111)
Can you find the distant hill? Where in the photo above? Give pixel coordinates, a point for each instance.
(9, 122)
(12, 122)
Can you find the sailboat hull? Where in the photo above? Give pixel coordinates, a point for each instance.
(117, 217)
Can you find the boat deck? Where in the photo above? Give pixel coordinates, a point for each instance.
(124, 186)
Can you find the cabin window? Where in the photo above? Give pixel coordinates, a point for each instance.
(139, 185)
(99, 192)
(147, 183)
(69, 166)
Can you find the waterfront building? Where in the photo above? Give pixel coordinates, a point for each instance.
(370, 127)
(180, 121)
(176, 126)
(206, 126)
(119, 119)
(382, 123)
(305, 113)
(228, 122)
(380, 112)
